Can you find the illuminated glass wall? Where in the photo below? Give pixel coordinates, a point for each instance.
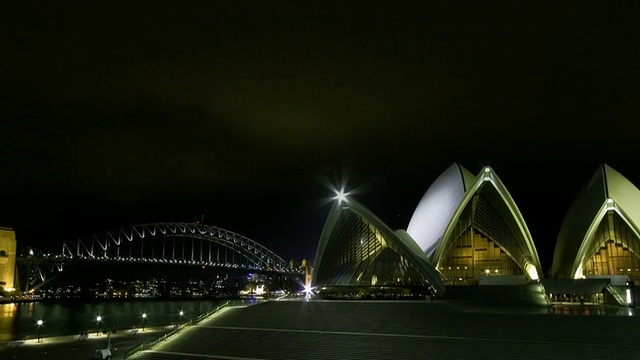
(360, 254)
(614, 249)
(486, 241)
(474, 255)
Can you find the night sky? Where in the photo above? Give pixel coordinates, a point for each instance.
(243, 111)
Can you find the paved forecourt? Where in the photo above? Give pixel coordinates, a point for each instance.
(401, 329)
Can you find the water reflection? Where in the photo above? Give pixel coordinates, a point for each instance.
(19, 320)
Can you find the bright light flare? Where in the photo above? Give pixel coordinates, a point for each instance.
(39, 322)
(341, 196)
(337, 188)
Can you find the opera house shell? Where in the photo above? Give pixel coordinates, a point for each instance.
(359, 253)
(600, 235)
(467, 230)
(472, 231)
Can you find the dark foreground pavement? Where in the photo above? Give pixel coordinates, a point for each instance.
(404, 330)
(69, 347)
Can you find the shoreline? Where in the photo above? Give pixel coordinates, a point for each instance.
(78, 299)
(23, 327)
(96, 300)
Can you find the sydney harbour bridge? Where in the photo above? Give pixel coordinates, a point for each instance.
(175, 247)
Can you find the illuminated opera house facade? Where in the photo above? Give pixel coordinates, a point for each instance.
(359, 254)
(472, 231)
(600, 235)
(467, 230)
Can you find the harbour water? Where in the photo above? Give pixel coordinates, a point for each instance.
(20, 320)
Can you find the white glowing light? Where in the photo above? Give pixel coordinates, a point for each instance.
(341, 196)
(39, 322)
(99, 318)
(144, 316)
(628, 296)
(531, 271)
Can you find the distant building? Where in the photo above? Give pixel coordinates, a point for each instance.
(7, 259)
(600, 234)
(308, 272)
(472, 231)
(359, 255)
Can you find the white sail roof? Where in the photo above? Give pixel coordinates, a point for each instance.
(437, 206)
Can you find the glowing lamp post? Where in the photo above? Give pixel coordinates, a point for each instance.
(98, 319)
(181, 315)
(144, 317)
(39, 322)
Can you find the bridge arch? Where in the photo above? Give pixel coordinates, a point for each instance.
(175, 242)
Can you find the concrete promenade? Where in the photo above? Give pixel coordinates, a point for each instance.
(354, 329)
(70, 347)
(374, 329)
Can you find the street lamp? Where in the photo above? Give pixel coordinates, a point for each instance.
(144, 317)
(98, 319)
(39, 322)
(181, 315)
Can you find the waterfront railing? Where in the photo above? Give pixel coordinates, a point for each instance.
(147, 345)
(151, 344)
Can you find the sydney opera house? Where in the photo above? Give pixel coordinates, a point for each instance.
(468, 231)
